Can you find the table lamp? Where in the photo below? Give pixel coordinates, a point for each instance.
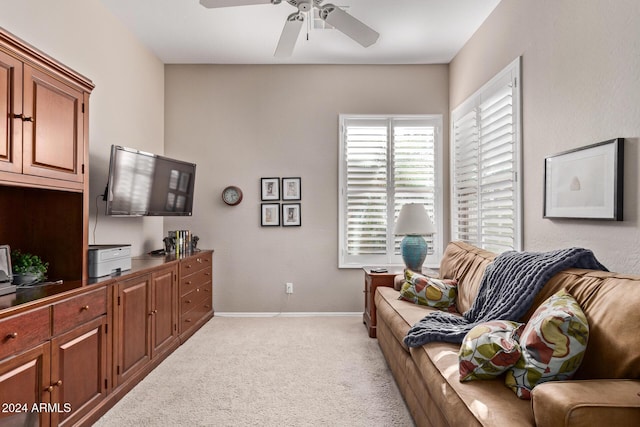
(413, 223)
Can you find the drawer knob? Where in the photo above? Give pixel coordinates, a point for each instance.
(187, 320)
(188, 301)
(58, 383)
(199, 260)
(49, 389)
(84, 308)
(206, 306)
(13, 335)
(188, 282)
(207, 274)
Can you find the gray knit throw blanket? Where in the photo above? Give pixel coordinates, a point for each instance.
(507, 290)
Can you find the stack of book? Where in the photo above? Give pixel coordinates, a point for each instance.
(182, 239)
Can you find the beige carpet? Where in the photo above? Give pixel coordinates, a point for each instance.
(280, 371)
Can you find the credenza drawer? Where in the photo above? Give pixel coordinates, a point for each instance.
(192, 317)
(77, 310)
(195, 263)
(193, 281)
(24, 331)
(194, 298)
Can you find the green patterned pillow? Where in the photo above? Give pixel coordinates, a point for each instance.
(424, 290)
(489, 349)
(553, 344)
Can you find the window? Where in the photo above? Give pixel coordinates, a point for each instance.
(485, 165)
(385, 162)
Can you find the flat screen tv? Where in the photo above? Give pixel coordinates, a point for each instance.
(145, 184)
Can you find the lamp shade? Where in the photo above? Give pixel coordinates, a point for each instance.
(413, 220)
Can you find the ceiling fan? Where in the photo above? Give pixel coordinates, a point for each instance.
(329, 13)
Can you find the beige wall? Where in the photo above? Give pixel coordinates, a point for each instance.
(241, 123)
(581, 85)
(127, 105)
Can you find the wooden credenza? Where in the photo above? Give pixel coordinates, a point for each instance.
(68, 354)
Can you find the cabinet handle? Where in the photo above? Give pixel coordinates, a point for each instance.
(153, 312)
(199, 260)
(49, 389)
(84, 308)
(188, 301)
(188, 282)
(187, 320)
(58, 383)
(207, 274)
(13, 335)
(206, 306)
(23, 117)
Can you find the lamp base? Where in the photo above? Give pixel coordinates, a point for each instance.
(414, 252)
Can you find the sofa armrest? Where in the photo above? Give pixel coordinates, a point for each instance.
(587, 403)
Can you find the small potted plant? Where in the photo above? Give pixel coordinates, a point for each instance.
(27, 268)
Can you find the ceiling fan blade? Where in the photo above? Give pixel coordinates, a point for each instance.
(349, 25)
(211, 4)
(289, 34)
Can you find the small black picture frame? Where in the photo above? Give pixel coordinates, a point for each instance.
(585, 183)
(270, 189)
(291, 215)
(270, 214)
(291, 189)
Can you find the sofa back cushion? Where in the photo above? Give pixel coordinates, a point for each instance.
(610, 301)
(466, 264)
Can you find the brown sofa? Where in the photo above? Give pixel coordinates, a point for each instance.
(604, 392)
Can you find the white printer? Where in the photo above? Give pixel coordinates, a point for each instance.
(108, 259)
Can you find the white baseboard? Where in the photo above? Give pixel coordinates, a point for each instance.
(290, 314)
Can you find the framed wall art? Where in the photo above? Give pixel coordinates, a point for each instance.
(586, 182)
(5, 260)
(270, 214)
(291, 189)
(270, 188)
(291, 216)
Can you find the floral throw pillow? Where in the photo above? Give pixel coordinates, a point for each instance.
(489, 349)
(553, 344)
(424, 290)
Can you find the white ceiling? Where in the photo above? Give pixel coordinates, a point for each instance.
(411, 31)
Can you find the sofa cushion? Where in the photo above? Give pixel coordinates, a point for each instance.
(553, 344)
(465, 263)
(399, 314)
(489, 349)
(429, 291)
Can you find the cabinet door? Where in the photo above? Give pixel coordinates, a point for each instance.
(164, 324)
(24, 382)
(133, 344)
(53, 140)
(79, 371)
(10, 105)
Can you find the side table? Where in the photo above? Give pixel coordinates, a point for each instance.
(371, 282)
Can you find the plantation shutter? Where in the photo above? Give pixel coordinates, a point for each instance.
(366, 160)
(414, 170)
(385, 163)
(485, 165)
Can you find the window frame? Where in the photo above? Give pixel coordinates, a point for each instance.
(351, 261)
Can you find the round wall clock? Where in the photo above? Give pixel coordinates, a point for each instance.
(232, 195)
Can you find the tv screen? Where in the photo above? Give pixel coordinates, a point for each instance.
(145, 184)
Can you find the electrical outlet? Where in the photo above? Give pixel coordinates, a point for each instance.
(289, 288)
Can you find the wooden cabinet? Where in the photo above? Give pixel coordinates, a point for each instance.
(24, 382)
(79, 371)
(146, 319)
(196, 289)
(44, 125)
(53, 361)
(133, 332)
(164, 309)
